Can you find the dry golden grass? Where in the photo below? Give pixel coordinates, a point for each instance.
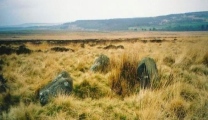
(70, 35)
(181, 93)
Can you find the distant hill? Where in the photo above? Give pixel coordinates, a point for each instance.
(30, 26)
(194, 21)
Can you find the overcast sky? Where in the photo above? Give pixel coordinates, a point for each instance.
(59, 11)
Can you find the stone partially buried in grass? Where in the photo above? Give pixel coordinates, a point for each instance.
(62, 84)
(100, 64)
(147, 72)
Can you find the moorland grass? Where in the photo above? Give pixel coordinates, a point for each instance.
(181, 92)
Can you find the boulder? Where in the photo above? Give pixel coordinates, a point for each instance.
(100, 64)
(62, 84)
(147, 72)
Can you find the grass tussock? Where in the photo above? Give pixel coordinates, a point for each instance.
(169, 60)
(178, 109)
(124, 76)
(87, 90)
(199, 69)
(181, 92)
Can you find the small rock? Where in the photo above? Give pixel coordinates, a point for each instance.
(62, 84)
(100, 64)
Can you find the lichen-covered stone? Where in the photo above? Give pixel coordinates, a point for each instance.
(100, 64)
(62, 84)
(147, 72)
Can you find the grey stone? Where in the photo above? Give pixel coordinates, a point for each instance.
(62, 84)
(147, 72)
(100, 63)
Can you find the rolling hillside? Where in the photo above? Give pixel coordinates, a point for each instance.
(195, 21)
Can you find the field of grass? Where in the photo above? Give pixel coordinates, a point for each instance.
(181, 92)
(72, 35)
